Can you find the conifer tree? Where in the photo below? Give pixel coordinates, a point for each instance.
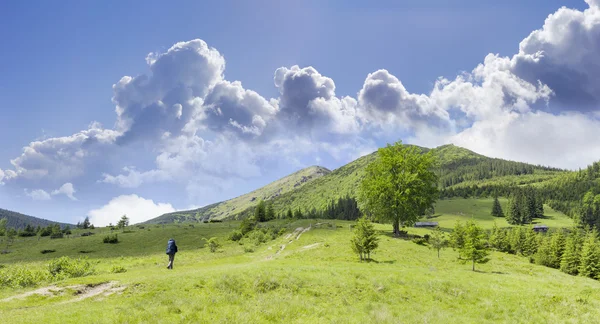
(289, 215)
(457, 237)
(531, 242)
(365, 239)
(569, 262)
(437, 240)
(514, 210)
(497, 209)
(475, 248)
(543, 255)
(589, 265)
(260, 213)
(557, 248)
(270, 214)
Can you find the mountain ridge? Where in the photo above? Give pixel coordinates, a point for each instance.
(458, 166)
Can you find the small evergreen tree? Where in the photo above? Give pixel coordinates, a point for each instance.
(498, 239)
(123, 222)
(457, 238)
(569, 262)
(365, 239)
(531, 242)
(475, 248)
(497, 209)
(270, 214)
(86, 223)
(3, 223)
(589, 265)
(437, 240)
(289, 215)
(298, 214)
(517, 240)
(544, 256)
(557, 248)
(260, 213)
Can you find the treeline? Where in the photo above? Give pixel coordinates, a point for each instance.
(345, 208)
(54, 231)
(460, 171)
(575, 252)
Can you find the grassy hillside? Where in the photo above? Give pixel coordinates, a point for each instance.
(314, 279)
(239, 204)
(458, 168)
(19, 221)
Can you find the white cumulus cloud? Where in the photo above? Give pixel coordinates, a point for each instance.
(38, 194)
(136, 208)
(66, 189)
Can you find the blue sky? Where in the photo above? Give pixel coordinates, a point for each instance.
(61, 60)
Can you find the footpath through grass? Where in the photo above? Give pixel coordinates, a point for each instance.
(313, 279)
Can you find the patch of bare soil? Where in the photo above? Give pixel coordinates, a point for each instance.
(81, 291)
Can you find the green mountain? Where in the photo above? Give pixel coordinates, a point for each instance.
(461, 173)
(19, 221)
(243, 203)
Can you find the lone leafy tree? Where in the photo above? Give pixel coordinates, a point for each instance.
(86, 223)
(457, 237)
(437, 240)
(497, 209)
(475, 248)
(365, 239)
(399, 186)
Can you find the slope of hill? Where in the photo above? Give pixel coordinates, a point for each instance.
(458, 168)
(316, 278)
(19, 221)
(239, 204)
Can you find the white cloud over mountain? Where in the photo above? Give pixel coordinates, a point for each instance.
(541, 105)
(136, 208)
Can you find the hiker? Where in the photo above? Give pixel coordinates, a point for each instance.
(171, 250)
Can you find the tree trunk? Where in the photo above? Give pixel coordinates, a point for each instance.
(396, 228)
(438, 253)
(473, 264)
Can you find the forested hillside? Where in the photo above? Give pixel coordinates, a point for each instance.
(19, 221)
(462, 173)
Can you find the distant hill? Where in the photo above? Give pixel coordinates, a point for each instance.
(19, 221)
(460, 170)
(242, 203)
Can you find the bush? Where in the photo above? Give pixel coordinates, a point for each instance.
(56, 235)
(426, 237)
(118, 269)
(215, 221)
(213, 244)
(235, 236)
(20, 277)
(66, 267)
(248, 249)
(87, 234)
(47, 251)
(111, 239)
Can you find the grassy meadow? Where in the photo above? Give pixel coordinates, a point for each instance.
(314, 278)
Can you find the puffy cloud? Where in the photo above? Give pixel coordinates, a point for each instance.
(384, 100)
(136, 208)
(38, 194)
(229, 107)
(149, 105)
(563, 54)
(66, 189)
(308, 103)
(533, 137)
(61, 158)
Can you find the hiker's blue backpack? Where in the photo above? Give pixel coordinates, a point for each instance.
(171, 247)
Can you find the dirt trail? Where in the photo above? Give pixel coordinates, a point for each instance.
(290, 238)
(81, 291)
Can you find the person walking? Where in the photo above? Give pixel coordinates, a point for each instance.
(171, 250)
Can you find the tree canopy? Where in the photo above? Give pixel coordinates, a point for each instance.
(399, 186)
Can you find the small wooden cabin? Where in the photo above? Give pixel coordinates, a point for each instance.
(540, 228)
(426, 224)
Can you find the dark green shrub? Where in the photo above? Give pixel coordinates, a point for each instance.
(57, 235)
(47, 251)
(111, 239)
(66, 267)
(118, 269)
(235, 236)
(215, 221)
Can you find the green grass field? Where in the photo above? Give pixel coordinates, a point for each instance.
(314, 279)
